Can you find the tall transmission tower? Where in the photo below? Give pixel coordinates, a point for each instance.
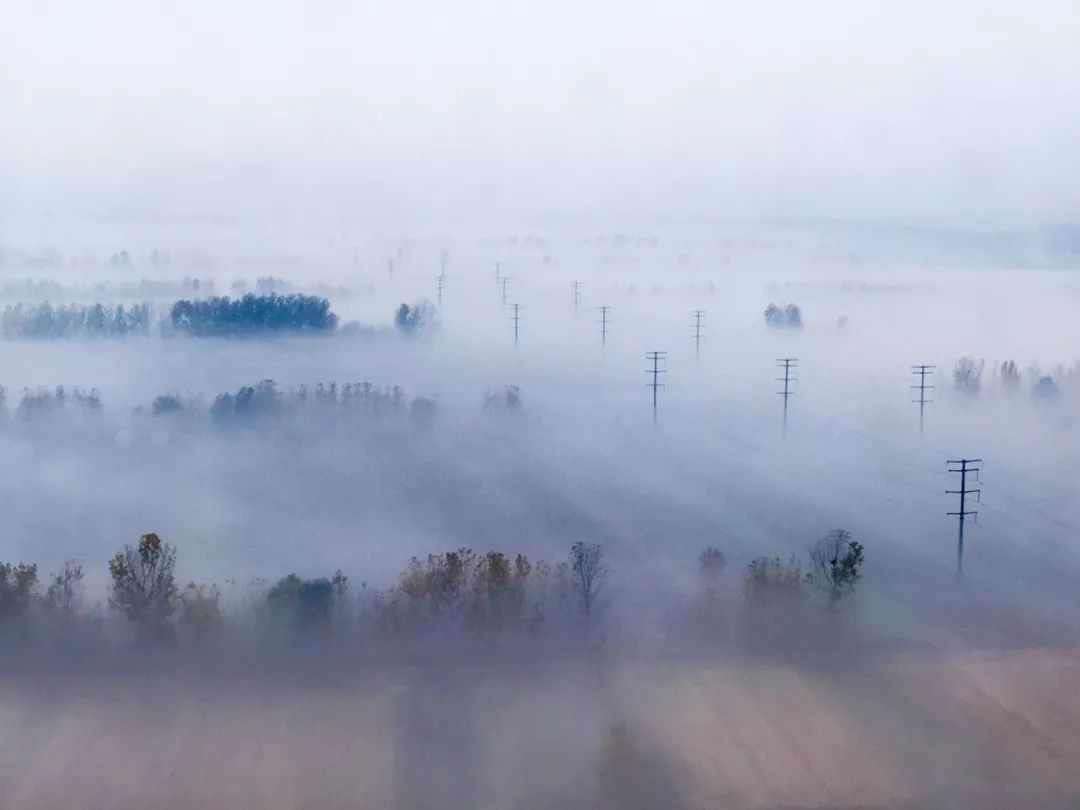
(390, 267)
(440, 280)
(922, 372)
(497, 266)
(604, 321)
(356, 255)
(788, 364)
(656, 358)
(516, 318)
(443, 259)
(576, 285)
(965, 470)
(698, 315)
(504, 280)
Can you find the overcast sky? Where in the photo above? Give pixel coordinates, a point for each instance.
(944, 111)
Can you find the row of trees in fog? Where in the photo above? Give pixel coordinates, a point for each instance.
(75, 320)
(221, 316)
(255, 404)
(32, 289)
(458, 594)
(216, 316)
(970, 376)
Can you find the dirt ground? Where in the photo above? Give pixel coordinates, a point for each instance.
(902, 731)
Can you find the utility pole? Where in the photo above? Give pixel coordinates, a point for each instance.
(922, 372)
(788, 364)
(439, 281)
(656, 358)
(516, 318)
(698, 315)
(964, 469)
(504, 279)
(577, 294)
(390, 267)
(604, 310)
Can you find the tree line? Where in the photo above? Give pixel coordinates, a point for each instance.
(75, 320)
(254, 404)
(36, 289)
(221, 316)
(216, 316)
(970, 377)
(458, 596)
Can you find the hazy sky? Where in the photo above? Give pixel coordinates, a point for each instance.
(958, 110)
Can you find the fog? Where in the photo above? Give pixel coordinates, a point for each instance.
(446, 546)
(311, 490)
(411, 113)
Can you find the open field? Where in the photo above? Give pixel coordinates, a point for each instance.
(995, 729)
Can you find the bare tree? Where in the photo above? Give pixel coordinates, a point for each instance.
(836, 561)
(1010, 375)
(143, 583)
(967, 374)
(588, 573)
(65, 590)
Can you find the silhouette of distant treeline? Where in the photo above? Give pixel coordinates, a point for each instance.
(262, 402)
(221, 316)
(267, 400)
(454, 597)
(75, 320)
(36, 403)
(29, 289)
(216, 316)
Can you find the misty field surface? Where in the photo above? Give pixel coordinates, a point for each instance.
(912, 731)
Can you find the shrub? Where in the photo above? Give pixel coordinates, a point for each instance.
(1045, 387)
(423, 410)
(413, 320)
(771, 582)
(200, 609)
(18, 584)
(166, 403)
(790, 317)
(301, 602)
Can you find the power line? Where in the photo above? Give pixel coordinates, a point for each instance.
(963, 492)
(922, 372)
(604, 321)
(516, 318)
(657, 358)
(789, 364)
(577, 294)
(698, 314)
